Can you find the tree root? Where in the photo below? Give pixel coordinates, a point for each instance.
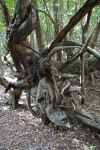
(48, 108)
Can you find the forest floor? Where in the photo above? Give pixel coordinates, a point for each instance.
(19, 130)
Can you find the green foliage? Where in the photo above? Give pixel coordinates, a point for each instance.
(66, 9)
(91, 147)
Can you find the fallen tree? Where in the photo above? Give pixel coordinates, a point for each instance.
(36, 74)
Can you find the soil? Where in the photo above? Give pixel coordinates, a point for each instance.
(20, 130)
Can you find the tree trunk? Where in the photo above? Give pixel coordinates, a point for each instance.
(5, 12)
(89, 5)
(84, 33)
(85, 27)
(32, 41)
(56, 25)
(39, 34)
(96, 34)
(54, 95)
(1, 67)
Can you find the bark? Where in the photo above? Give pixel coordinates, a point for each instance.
(39, 34)
(95, 37)
(32, 41)
(84, 33)
(89, 5)
(90, 65)
(1, 67)
(22, 22)
(49, 107)
(85, 26)
(80, 53)
(82, 79)
(71, 43)
(54, 95)
(56, 25)
(47, 15)
(21, 25)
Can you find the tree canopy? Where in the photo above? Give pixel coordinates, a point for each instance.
(41, 24)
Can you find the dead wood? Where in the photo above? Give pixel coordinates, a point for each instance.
(89, 5)
(80, 53)
(54, 99)
(91, 64)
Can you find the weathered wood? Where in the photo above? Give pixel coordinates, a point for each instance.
(79, 53)
(91, 64)
(90, 4)
(53, 102)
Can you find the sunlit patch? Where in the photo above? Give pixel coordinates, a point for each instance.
(21, 102)
(5, 107)
(75, 140)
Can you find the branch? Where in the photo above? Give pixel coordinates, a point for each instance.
(91, 64)
(20, 75)
(3, 81)
(21, 10)
(85, 26)
(22, 23)
(95, 45)
(65, 87)
(5, 11)
(71, 43)
(47, 15)
(90, 4)
(28, 98)
(28, 25)
(39, 33)
(96, 34)
(59, 76)
(79, 53)
(57, 49)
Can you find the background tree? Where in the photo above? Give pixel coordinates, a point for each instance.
(36, 71)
